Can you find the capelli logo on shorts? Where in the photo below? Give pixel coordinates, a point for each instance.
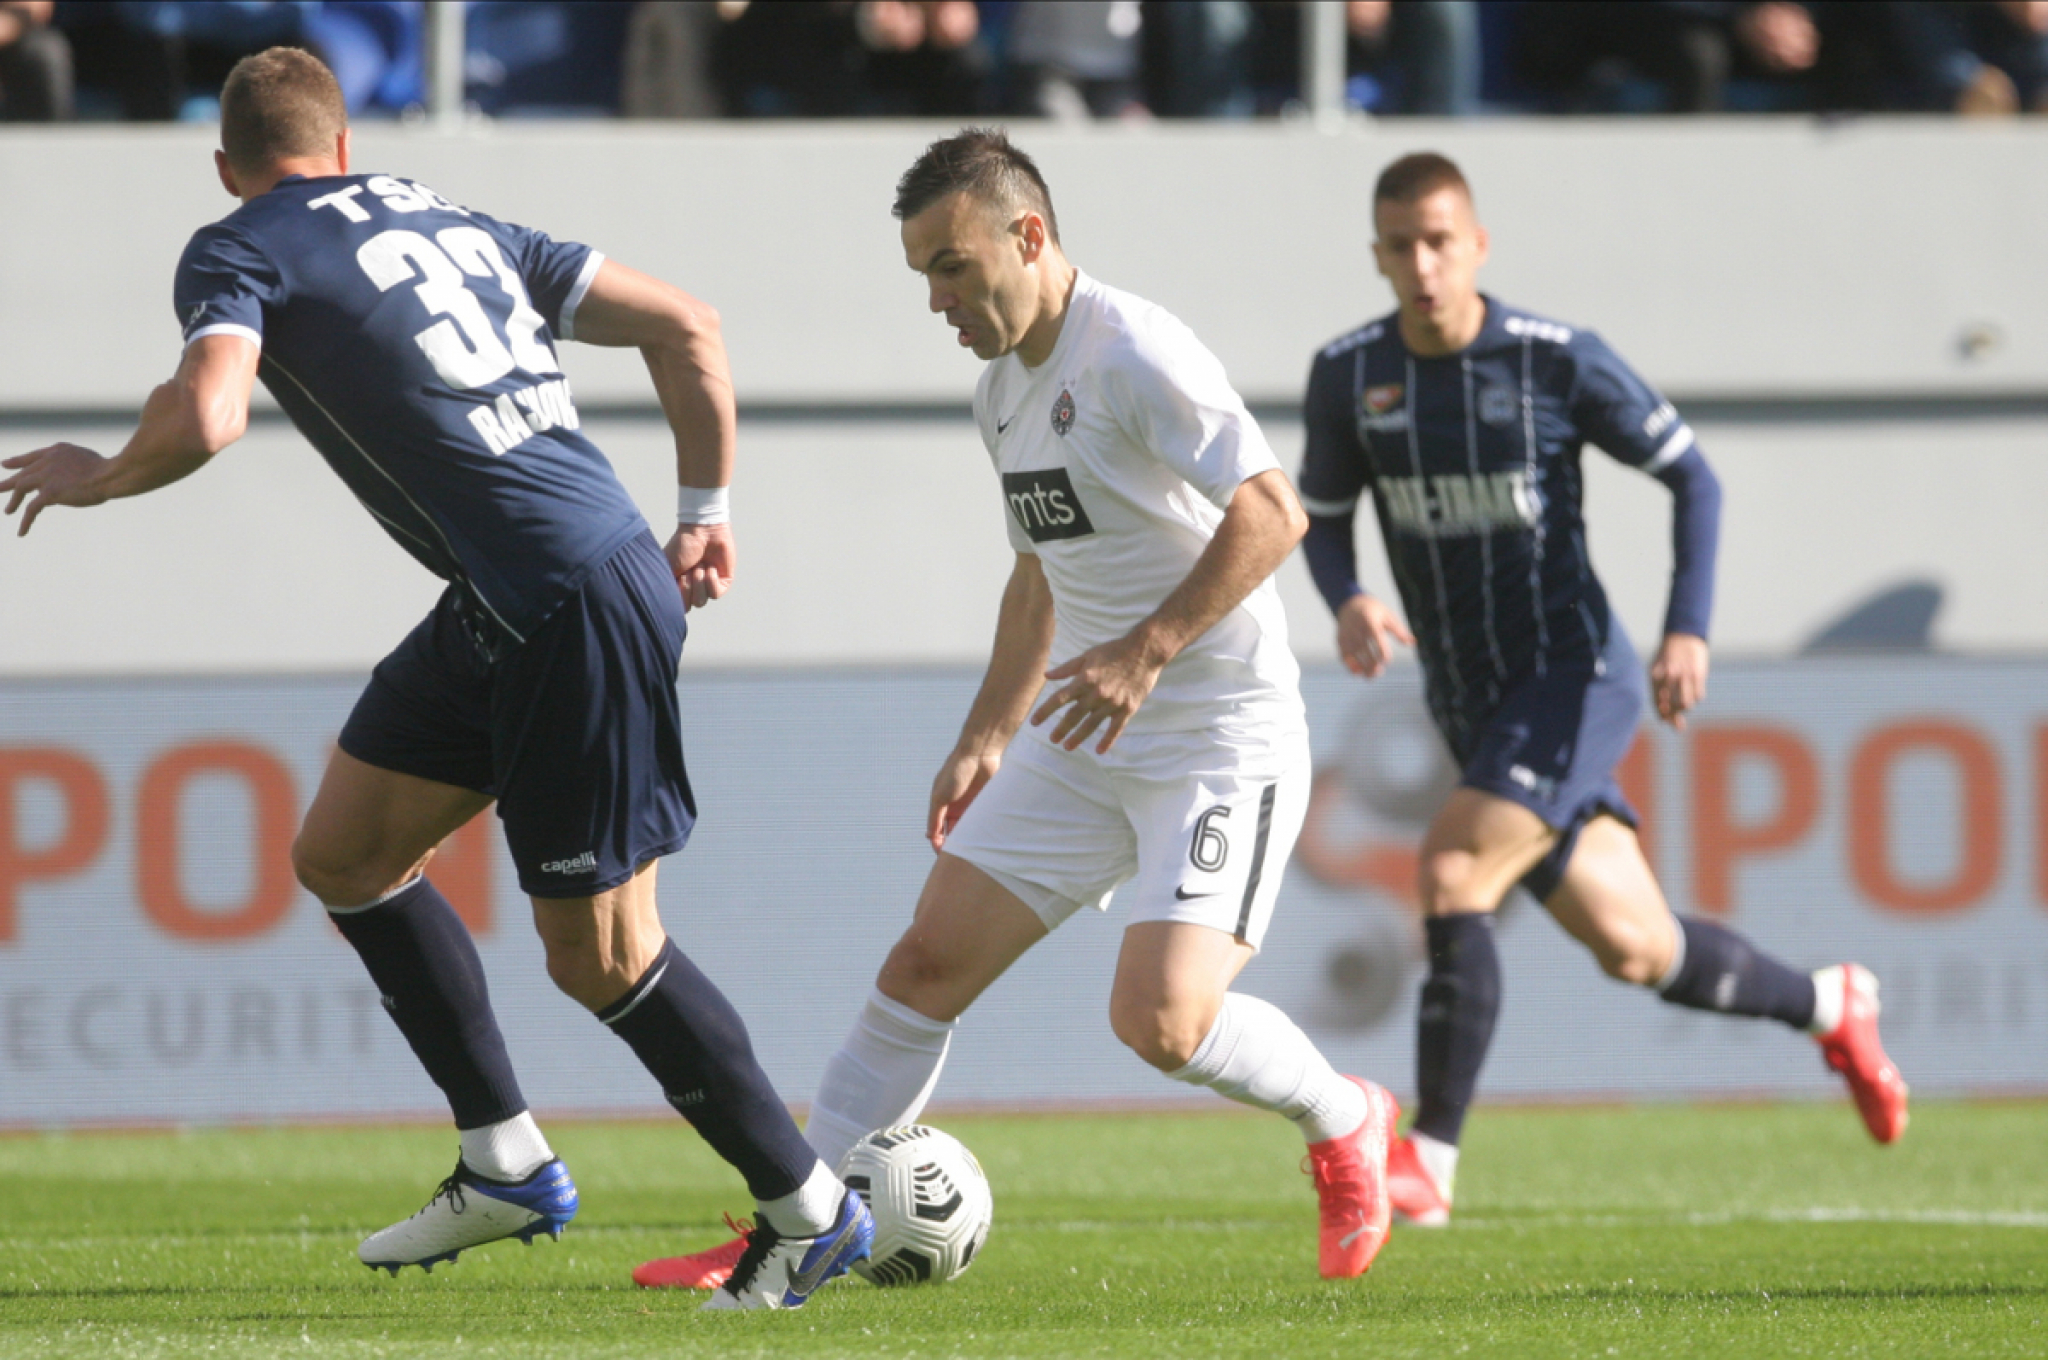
(1045, 504)
(583, 864)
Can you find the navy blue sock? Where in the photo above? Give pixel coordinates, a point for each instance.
(688, 1035)
(1721, 971)
(422, 959)
(1460, 1000)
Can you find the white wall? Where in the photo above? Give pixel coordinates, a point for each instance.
(882, 541)
(1740, 257)
(1745, 259)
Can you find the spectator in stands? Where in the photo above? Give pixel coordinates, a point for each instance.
(922, 57)
(167, 58)
(35, 64)
(669, 60)
(1401, 56)
(1076, 59)
(1413, 56)
(1581, 51)
(1702, 56)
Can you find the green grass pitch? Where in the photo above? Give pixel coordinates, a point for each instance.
(1652, 1231)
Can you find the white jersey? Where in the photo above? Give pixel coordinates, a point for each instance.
(1118, 456)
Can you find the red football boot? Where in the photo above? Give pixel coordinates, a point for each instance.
(1415, 1195)
(699, 1270)
(1351, 1184)
(1852, 1048)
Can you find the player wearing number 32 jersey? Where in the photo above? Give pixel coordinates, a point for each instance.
(1165, 754)
(412, 342)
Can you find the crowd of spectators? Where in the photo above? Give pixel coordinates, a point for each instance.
(1070, 59)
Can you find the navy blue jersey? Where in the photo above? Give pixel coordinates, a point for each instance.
(1472, 462)
(411, 342)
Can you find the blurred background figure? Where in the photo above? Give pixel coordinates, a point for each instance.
(922, 58)
(1075, 59)
(669, 68)
(35, 64)
(1711, 56)
(154, 59)
(1413, 56)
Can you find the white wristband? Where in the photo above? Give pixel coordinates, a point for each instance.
(703, 505)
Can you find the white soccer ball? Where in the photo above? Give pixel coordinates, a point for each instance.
(931, 1203)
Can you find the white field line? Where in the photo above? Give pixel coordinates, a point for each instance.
(305, 1240)
(1965, 1218)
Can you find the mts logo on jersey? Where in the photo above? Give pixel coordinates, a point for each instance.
(1045, 505)
(1454, 505)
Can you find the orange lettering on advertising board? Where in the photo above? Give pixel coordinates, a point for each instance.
(1720, 840)
(1637, 775)
(84, 793)
(158, 870)
(461, 869)
(2041, 815)
(1980, 823)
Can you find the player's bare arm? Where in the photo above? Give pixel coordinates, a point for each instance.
(1024, 628)
(1106, 684)
(680, 338)
(1367, 629)
(200, 411)
(1678, 676)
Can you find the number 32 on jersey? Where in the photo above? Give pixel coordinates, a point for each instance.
(464, 345)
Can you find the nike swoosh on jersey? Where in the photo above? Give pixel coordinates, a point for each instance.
(1002, 425)
(1183, 895)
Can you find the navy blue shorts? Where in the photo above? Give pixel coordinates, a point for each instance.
(577, 732)
(1552, 746)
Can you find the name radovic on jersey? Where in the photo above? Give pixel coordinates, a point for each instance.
(412, 342)
(1116, 458)
(1473, 463)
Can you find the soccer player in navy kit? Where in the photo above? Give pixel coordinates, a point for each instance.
(411, 342)
(1463, 419)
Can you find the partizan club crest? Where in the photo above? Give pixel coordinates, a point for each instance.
(1063, 413)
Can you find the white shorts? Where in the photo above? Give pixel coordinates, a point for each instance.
(1203, 827)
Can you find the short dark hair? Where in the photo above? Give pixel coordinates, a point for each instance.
(981, 163)
(1417, 174)
(279, 103)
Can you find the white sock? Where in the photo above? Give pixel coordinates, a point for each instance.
(809, 1209)
(881, 1076)
(1829, 998)
(1438, 1158)
(1255, 1055)
(509, 1150)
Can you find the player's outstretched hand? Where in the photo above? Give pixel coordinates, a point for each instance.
(62, 474)
(1366, 633)
(1678, 677)
(964, 775)
(703, 557)
(1104, 687)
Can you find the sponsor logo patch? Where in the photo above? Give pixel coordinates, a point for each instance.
(1382, 399)
(1063, 413)
(582, 864)
(1045, 505)
(1497, 405)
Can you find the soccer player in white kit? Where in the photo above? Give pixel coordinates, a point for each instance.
(1167, 752)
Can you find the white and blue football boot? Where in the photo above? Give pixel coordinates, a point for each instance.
(468, 1211)
(781, 1272)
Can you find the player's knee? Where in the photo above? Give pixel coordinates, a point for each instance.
(1631, 954)
(920, 976)
(1165, 1038)
(335, 881)
(582, 974)
(1447, 882)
